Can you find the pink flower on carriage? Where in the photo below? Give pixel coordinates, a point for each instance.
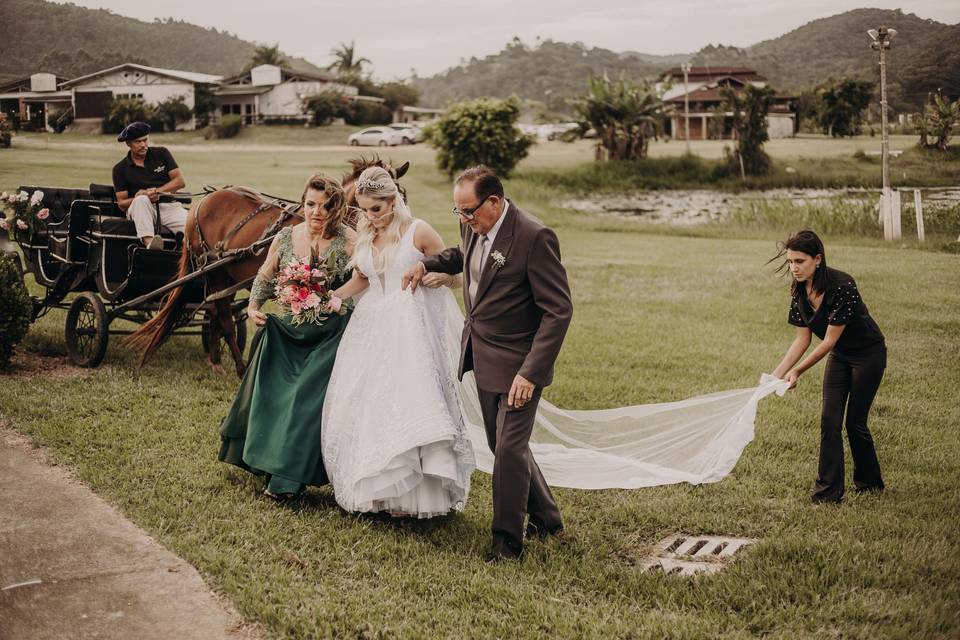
(335, 304)
(4, 195)
(23, 196)
(23, 226)
(4, 224)
(12, 198)
(36, 198)
(43, 214)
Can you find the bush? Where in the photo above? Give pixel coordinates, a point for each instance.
(171, 112)
(123, 111)
(323, 107)
(482, 131)
(16, 309)
(228, 127)
(6, 131)
(364, 113)
(60, 119)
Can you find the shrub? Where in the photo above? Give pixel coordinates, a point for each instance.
(171, 112)
(228, 127)
(123, 111)
(323, 107)
(363, 113)
(16, 309)
(6, 131)
(482, 131)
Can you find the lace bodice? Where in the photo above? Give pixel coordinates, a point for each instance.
(282, 251)
(404, 257)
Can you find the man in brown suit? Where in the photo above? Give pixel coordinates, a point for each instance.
(518, 309)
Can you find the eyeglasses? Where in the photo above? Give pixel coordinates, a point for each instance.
(469, 214)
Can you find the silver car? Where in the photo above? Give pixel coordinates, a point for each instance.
(375, 137)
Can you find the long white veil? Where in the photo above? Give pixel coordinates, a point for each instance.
(697, 440)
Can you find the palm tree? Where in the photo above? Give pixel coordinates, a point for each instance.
(345, 61)
(265, 54)
(625, 116)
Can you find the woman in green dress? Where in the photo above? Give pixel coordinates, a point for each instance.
(273, 427)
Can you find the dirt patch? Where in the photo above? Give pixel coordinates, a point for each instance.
(33, 365)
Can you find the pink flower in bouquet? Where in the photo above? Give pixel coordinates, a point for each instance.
(303, 293)
(295, 307)
(43, 214)
(312, 301)
(23, 226)
(334, 304)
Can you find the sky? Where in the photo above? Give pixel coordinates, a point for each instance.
(430, 36)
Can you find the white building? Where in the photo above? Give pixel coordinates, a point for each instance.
(31, 100)
(272, 93)
(701, 94)
(93, 93)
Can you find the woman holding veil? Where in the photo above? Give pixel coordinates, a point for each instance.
(394, 438)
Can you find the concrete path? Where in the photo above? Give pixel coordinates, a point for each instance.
(72, 567)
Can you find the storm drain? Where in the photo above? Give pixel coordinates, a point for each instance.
(689, 555)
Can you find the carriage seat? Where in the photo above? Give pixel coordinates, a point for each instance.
(120, 228)
(58, 199)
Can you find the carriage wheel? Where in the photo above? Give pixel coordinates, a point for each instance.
(239, 319)
(87, 330)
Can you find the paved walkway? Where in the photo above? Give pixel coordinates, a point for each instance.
(72, 567)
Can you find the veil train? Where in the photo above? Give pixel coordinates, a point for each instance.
(697, 440)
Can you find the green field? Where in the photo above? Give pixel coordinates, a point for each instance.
(659, 315)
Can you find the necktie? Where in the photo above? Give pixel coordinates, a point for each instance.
(476, 266)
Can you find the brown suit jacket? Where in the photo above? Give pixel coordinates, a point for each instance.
(522, 309)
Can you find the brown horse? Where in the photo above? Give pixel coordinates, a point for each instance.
(224, 221)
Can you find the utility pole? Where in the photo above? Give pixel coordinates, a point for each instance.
(881, 42)
(685, 67)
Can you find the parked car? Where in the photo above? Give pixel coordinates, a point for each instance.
(375, 137)
(412, 134)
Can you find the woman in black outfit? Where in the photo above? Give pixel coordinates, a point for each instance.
(826, 302)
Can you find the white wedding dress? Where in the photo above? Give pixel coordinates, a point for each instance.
(393, 435)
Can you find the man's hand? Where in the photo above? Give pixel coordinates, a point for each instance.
(436, 280)
(521, 391)
(414, 276)
(154, 195)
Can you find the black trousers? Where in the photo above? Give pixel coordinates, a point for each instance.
(849, 385)
(518, 485)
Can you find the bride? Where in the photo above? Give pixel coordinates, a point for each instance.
(394, 438)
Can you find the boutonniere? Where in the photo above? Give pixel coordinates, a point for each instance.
(498, 259)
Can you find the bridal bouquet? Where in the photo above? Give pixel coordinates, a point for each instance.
(303, 291)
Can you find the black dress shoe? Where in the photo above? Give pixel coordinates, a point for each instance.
(539, 530)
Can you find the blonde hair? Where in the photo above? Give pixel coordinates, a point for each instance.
(377, 183)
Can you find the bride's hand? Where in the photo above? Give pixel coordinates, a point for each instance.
(435, 280)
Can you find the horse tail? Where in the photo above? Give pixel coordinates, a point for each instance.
(155, 331)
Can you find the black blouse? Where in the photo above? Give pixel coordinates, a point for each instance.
(841, 305)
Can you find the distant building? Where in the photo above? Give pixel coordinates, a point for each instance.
(703, 94)
(93, 92)
(272, 93)
(32, 99)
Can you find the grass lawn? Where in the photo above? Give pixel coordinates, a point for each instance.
(659, 316)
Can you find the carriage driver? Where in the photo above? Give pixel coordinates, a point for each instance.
(141, 179)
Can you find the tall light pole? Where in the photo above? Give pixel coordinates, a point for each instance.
(881, 42)
(685, 67)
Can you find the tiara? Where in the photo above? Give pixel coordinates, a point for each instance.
(372, 185)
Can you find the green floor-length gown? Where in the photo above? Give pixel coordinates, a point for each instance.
(273, 426)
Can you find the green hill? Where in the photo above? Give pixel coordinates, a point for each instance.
(70, 41)
(925, 57)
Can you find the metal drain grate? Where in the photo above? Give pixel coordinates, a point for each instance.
(689, 555)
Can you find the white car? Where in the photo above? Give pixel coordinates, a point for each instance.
(411, 134)
(376, 137)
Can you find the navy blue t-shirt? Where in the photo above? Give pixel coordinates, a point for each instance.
(154, 173)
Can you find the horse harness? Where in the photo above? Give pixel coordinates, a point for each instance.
(263, 202)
